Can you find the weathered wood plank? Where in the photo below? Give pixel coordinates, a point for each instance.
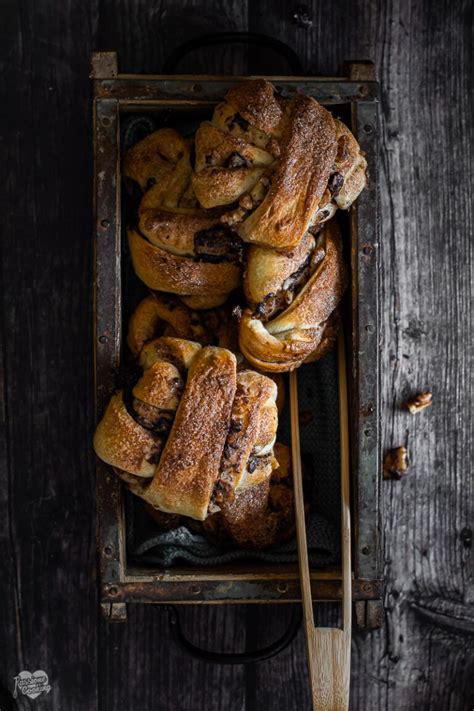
(422, 51)
(145, 32)
(142, 667)
(47, 586)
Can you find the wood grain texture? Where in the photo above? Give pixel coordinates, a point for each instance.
(141, 666)
(48, 595)
(426, 291)
(49, 618)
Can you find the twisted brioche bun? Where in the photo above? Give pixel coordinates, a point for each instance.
(197, 429)
(166, 315)
(175, 246)
(287, 162)
(292, 319)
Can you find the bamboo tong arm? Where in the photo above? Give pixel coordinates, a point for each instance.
(328, 649)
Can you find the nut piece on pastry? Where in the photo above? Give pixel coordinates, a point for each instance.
(177, 427)
(291, 299)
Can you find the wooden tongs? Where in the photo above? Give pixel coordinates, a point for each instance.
(328, 648)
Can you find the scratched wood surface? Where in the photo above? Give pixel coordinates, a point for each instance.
(49, 620)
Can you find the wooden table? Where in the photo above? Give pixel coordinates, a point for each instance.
(49, 615)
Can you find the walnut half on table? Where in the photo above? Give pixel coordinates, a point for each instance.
(395, 463)
(420, 402)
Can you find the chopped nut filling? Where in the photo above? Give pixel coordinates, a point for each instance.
(276, 302)
(217, 244)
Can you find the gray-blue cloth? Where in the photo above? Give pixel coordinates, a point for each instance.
(318, 401)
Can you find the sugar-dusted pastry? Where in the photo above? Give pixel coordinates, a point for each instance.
(281, 165)
(191, 431)
(153, 160)
(291, 299)
(260, 516)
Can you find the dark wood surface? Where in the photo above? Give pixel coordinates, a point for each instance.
(49, 617)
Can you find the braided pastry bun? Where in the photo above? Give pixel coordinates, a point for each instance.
(291, 300)
(176, 247)
(165, 315)
(287, 162)
(192, 426)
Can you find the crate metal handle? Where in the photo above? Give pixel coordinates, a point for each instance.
(251, 38)
(257, 655)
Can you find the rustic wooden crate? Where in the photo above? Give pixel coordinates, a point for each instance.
(121, 582)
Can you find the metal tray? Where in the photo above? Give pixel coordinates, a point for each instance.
(120, 581)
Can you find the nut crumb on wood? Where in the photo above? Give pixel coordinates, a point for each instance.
(420, 402)
(395, 464)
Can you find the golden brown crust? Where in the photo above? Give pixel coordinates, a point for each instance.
(255, 396)
(256, 102)
(153, 159)
(189, 465)
(354, 183)
(174, 231)
(348, 177)
(261, 516)
(288, 339)
(227, 118)
(120, 441)
(271, 354)
(226, 166)
(222, 186)
(177, 351)
(318, 298)
(328, 337)
(161, 386)
(166, 315)
(266, 270)
(308, 151)
(163, 271)
(163, 314)
(219, 148)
